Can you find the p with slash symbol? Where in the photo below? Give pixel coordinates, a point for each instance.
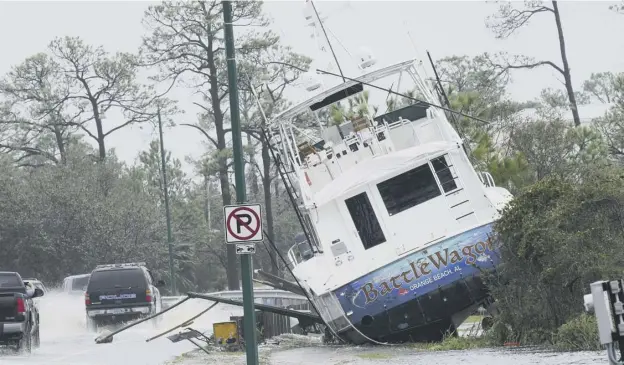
(243, 223)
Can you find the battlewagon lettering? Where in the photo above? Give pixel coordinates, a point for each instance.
(424, 266)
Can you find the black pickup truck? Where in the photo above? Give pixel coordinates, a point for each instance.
(19, 317)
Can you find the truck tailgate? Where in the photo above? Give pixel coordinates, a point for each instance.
(8, 307)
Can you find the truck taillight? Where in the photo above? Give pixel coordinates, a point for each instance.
(87, 299)
(21, 306)
(148, 295)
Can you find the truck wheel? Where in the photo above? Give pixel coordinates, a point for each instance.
(36, 339)
(156, 320)
(25, 344)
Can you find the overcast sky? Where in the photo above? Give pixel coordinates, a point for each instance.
(445, 28)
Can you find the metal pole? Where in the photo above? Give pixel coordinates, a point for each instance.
(172, 285)
(328, 42)
(249, 324)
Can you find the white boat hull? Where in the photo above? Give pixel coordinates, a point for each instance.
(418, 297)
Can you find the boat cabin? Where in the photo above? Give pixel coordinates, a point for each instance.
(375, 189)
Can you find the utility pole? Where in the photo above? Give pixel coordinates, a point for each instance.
(207, 203)
(172, 285)
(249, 319)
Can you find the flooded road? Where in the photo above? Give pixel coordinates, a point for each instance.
(300, 350)
(409, 356)
(397, 355)
(65, 339)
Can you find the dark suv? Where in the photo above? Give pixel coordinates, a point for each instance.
(121, 292)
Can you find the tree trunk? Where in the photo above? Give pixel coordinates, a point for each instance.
(252, 181)
(206, 207)
(97, 118)
(224, 181)
(566, 68)
(268, 204)
(60, 143)
(226, 196)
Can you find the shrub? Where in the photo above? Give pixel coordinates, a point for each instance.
(555, 239)
(452, 342)
(578, 334)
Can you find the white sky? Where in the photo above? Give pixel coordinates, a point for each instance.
(445, 28)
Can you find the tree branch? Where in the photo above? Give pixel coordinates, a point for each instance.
(32, 151)
(508, 19)
(536, 64)
(203, 132)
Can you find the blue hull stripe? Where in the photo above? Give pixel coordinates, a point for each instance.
(419, 273)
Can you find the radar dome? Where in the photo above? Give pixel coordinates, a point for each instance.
(366, 58)
(311, 81)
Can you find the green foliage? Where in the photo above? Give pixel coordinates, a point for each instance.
(556, 238)
(66, 220)
(556, 148)
(454, 343)
(511, 171)
(151, 169)
(578, 334)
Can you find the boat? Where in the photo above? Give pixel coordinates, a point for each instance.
(397, 222)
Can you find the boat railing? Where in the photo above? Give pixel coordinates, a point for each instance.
(487, 179)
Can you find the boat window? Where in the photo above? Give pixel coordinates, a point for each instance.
(411, 112)
(409, 189)
(365, 220)
(443, 170)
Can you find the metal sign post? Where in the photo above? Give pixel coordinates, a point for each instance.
(241, 219)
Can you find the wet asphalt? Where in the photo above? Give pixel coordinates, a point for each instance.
(403, 355)
(398, 355)
(65, 341)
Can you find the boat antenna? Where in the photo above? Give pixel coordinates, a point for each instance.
(442, 93)
(327, 39)
(405, 96)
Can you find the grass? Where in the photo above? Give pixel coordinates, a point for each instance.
(451, 343)
(474, 318)
(374, 356)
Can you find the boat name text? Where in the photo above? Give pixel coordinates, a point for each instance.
(439, 260)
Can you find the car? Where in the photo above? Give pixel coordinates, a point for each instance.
(37, 284)
(19, 316)
(76, 284)
(121, 292)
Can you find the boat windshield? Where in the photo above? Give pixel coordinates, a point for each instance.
(301, 250)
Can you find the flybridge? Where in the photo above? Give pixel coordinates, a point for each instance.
(345, 89)
(129, 264)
